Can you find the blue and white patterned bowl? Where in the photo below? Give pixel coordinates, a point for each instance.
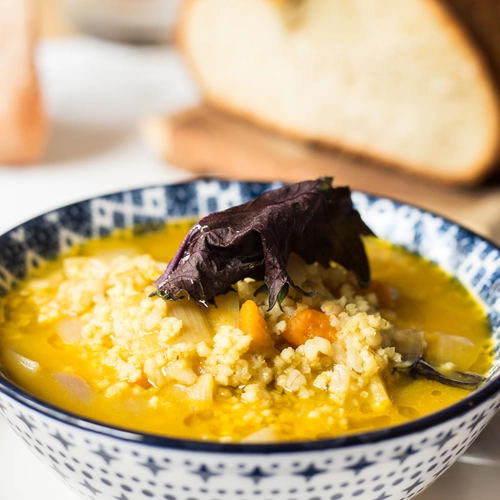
(102, 462)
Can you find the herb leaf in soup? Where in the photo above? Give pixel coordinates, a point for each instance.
(255, 239)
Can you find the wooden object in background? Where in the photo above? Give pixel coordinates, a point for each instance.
(203, 139)
(23, 123)
(207, 141)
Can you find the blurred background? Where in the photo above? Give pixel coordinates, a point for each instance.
(111, 97)
(98, 96)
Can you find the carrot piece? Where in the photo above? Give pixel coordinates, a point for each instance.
(253, 323)
(307, 324)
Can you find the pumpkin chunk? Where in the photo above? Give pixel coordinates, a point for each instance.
(307, 324)
(253, 323)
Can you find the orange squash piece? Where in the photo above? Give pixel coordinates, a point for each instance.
(308, 324)
(253, 323)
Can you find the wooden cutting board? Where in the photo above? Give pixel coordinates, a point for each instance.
(206, 141)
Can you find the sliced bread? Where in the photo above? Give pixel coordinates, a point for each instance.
(406, 83)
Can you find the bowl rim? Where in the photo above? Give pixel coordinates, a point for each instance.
(23, 397)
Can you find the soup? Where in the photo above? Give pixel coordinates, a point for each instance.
(85, 334)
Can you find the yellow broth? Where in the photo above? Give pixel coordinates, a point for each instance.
(427, 299)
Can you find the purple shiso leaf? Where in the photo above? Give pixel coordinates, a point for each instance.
(254, 240)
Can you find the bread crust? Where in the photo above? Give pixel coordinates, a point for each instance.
(466, 20)
(480, 19)
(451, 22)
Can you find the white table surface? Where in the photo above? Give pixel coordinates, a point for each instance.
(96, 92)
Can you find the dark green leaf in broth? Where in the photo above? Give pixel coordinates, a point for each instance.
(463, 380)
(255, 239)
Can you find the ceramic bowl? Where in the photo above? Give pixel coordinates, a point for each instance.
(102, 462)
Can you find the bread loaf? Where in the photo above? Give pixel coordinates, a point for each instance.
(23, 123)
(412, 84)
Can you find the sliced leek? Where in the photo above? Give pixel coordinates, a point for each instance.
(203, 389)
(195, 326)
(226, 311)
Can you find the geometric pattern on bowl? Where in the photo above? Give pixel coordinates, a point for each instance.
(105, 467)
